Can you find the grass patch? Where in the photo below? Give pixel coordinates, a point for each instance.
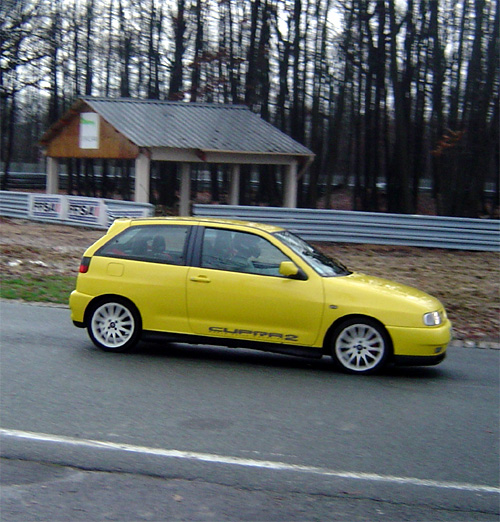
(51, 288)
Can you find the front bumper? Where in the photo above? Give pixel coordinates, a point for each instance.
(425, 342)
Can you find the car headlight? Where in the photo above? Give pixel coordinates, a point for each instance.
(433, 319)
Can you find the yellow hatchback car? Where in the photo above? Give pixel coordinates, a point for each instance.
(240, 284)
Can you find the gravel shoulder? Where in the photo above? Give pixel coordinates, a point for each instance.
(468, 283)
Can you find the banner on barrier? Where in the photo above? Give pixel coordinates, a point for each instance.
(86, 211)
(73, 209)
(47, 206)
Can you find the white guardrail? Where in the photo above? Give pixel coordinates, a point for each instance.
(335, 226)
(339, 226)
(70, 210)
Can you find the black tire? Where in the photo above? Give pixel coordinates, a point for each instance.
(360, 346)
(114, 325)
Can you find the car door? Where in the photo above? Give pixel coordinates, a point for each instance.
(237, 292)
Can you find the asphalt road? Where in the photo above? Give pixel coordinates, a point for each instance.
(204, 433)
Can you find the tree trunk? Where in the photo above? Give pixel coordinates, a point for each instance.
(399, 199)
(176, 77)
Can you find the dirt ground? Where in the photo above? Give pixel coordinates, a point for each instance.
(468, 283)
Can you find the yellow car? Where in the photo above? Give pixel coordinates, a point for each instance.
(241, 284)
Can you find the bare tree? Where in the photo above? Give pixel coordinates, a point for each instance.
(198, 52)
(372, 99)
(176, 74)
(23, 47)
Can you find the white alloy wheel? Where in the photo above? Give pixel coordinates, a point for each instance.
(360, 347)
(114, 326)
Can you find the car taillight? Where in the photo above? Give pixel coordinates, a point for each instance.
(84, 265)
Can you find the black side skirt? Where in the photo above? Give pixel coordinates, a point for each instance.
(299, 351)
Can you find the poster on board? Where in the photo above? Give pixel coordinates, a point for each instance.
(89, 130)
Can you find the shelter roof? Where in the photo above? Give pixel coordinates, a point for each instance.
(180, 125)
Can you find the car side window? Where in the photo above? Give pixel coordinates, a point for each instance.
(240, 252)
(153, 243)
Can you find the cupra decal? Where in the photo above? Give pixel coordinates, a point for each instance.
(257, 334)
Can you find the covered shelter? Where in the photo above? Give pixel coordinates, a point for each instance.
(186, 133)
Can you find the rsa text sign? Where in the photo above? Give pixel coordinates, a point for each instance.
(72, 209)
(89, 130)
(43, 206)
(86, 211)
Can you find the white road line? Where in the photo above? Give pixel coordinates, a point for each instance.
(237, 461)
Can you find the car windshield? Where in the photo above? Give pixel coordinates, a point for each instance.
(324, 265)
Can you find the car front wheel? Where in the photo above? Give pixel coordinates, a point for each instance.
(114, 326)
(360, 346)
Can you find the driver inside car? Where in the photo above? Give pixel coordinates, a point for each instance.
(246, 249)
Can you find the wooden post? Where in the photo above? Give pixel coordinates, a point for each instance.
(185, 197)
(290, 192)
(52, 185)
(234, 191)
(142, 166)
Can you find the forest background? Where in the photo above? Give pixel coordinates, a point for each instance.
(391, 96)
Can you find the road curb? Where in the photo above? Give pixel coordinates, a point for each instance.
(482, 345)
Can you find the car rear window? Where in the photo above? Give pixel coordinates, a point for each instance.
(152, 243)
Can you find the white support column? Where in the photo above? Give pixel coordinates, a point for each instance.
(234, 190)
(185, 196)
(142, 167)
(290, 192)
(52, 185)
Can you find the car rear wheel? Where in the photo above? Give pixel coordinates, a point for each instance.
(114, 325)
(360, 346)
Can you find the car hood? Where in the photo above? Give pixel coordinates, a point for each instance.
(385, 286)
(390, 302)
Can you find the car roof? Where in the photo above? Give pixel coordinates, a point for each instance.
(201, 221)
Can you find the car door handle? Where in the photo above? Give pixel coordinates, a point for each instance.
(200, 279)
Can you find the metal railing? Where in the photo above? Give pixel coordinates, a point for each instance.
(17, 205)
(14, 204)
(320, 225)
(369, 227)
